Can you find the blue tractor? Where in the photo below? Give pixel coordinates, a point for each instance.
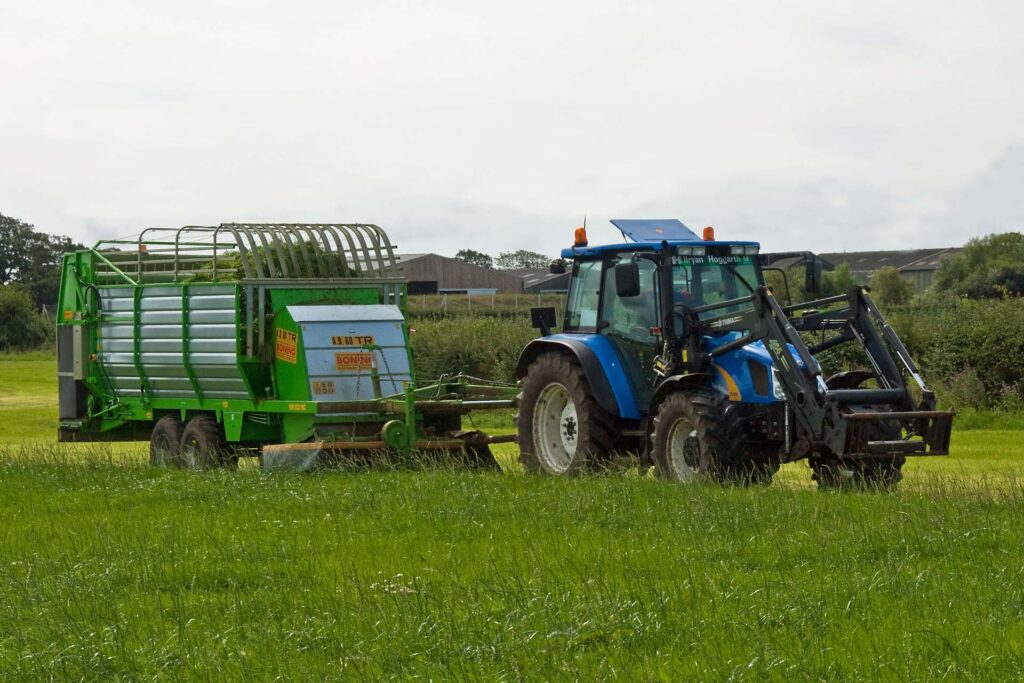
(673, 347)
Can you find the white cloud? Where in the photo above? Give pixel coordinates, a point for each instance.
(452, 124)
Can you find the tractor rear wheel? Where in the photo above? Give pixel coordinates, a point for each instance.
(203, 445)
(561, 425)
(165, 442)
(697, 435)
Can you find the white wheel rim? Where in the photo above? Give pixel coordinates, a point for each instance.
(555, 428)
(683, 450)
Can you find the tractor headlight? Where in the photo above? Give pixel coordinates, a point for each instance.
(777, 391)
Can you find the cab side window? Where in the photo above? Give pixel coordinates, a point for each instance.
(632, 317)
(585, 290)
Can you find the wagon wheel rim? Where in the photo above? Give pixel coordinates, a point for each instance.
(190, 454)
(556, 428)
(683, 449)
(163, 449)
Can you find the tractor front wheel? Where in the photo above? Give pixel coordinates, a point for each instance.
(697, 435)
(561, 426)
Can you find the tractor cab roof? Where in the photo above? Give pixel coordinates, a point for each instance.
(650, 235)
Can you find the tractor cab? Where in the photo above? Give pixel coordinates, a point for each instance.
(639, 295)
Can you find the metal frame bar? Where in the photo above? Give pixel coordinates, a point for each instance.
(186, 344)
(266, 251)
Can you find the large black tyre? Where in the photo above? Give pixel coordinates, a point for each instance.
(165, 442)
(698, 435)
(561, 425)
(203, 445)
(882, 474)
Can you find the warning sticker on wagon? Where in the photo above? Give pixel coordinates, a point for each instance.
(354, 340)
(286, 346)
(353, 361)
(323, 387)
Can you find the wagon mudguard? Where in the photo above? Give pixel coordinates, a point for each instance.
(600, 363)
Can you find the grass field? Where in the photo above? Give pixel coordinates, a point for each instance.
(112, 570)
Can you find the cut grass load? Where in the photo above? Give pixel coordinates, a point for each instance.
(110, 569)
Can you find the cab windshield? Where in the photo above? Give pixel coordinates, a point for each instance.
(716, 275)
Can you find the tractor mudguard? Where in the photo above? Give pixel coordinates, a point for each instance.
(692, 380)
(601, 365)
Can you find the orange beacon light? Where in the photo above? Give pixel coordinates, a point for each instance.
(581, 238)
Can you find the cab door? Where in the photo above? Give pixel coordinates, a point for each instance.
(628, 323)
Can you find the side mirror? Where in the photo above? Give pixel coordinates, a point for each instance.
(543, 319)
(556, 267)
(812, 277)
(627, 279)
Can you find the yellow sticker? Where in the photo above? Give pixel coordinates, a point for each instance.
(286, 346)
(297, 407)
(323, 387)
(353, 361)
(730, 384)
(364, 340)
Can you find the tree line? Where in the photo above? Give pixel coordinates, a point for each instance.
(506, 260)
(31, 259)
(30, 263)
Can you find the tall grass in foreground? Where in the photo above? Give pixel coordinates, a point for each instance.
(109, 569)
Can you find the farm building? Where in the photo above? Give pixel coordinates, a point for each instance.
(432, 273)
(540, 280)
(916, 265)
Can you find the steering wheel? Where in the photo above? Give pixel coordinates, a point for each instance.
(684, 313)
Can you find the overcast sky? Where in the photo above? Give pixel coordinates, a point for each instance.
(821, 125)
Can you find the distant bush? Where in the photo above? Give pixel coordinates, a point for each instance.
(889, 288)
(986, 337)
(22, 327)
(483, 347)
(987, 267)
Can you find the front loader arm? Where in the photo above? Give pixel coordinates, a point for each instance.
(799, 375)
(850, 422)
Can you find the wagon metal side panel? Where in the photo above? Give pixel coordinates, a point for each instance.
(178, 341)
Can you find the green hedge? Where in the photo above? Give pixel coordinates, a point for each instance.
(974, 351)
(484, 347)
(971, 352)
